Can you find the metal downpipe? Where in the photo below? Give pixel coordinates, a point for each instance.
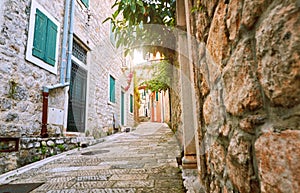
(64, 42)
(70, 45)
(44, 133)
(46, 89)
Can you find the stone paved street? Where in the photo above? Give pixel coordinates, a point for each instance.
(143, 160)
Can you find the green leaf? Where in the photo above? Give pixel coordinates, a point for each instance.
(127, 51)
(115, 4)
(139, 12)
(133, 7)
(140, 3)
(109, 18)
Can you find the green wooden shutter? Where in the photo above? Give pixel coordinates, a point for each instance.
(51, 43)
(156, 96)
(131, 103)
(40, 30)
(85, 2)
(112, 90)
(122, 108)
(44, 41)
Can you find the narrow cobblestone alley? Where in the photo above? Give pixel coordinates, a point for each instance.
(140, 161)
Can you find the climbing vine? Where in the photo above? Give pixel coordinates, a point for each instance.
(161, 77)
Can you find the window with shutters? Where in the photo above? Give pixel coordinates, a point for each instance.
(112, 89)
(43, 38)
(131, 104)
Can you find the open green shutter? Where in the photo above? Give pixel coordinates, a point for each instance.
(51, 43)
(39, 40)
(85, 2)
(112, 89)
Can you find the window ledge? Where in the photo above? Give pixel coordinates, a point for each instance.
(111, 103)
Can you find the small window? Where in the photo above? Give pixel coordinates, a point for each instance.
(112, 89)
(131, 104)
(86, 3)
(43, 38)
(79, 52)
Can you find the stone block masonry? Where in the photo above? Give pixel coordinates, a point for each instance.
(247, 80)
(34, 149)
(21, 81)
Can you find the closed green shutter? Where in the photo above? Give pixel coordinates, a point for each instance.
(156, 96)
(131, 103)
(112, 91)
(122, 108)
(44, 41)
(40, 30)
(85, 2)
(51, 43)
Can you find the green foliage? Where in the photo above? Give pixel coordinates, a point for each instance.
(130, 21)
(44, 150)
(61, 147)
(35, 159)
(161, 77)
(137, 97)
(12, 89)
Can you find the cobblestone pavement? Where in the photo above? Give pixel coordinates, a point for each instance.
(143, 160)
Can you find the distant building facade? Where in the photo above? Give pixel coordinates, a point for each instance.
(154, 106)
(160, 107)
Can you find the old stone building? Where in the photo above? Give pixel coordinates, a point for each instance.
(241, 125)
(60, 75)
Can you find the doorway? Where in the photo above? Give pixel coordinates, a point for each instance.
(77, 99)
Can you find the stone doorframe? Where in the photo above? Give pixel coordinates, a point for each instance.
(188, 101)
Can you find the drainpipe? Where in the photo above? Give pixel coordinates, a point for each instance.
(69, 64)
(70, 45)
(62, 83)
(64, 42)
(68, 60)
(45, 112)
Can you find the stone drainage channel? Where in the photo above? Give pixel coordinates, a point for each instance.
(143, 160)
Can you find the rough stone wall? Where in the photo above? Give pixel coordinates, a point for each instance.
(33, 149)
(21, 81)
(248, 81)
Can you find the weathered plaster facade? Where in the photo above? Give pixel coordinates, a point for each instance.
(245, 61)
(22, 82)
